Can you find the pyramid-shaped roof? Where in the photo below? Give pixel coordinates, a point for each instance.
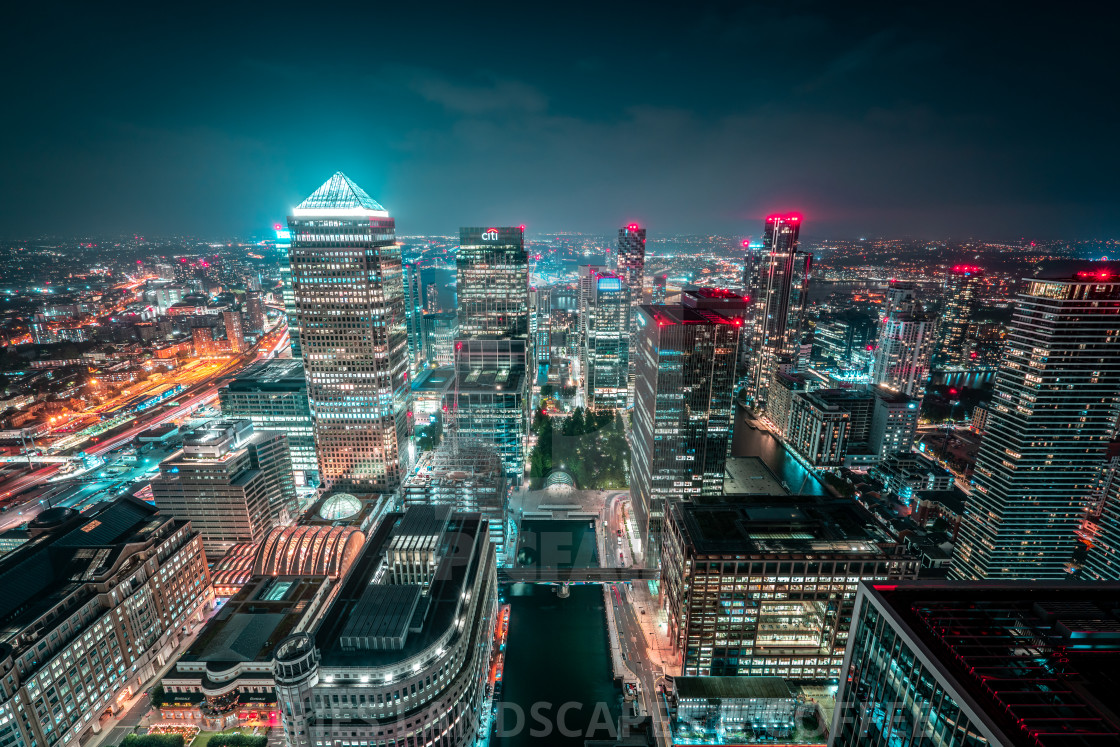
(340, 195)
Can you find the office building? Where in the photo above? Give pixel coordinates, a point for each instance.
(683, 409)
(1050, 421)
(414, 316)
(820, 425)
(254, 312)
(441, 329)
(779, 402)
(905, 342)
(468, 476)
(764, 585)
(489, 402)
(964, 286)
(291, 310)
(231, 482)
(273, 395)
(429, 393)
(776, 279)
(492, 271)
(630, 265)
(349, 292)
(92, 608)
(235, 336)
(586, 275)
(736, 710)
(403, 652)
(1007, 664)
(660, 283)
(905, 474)
(606, 349)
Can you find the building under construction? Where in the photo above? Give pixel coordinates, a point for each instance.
(466, 474)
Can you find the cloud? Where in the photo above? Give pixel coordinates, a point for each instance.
(495, 95)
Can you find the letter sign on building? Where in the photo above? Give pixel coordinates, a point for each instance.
(490, 234)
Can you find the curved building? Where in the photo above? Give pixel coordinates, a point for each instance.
(308, 551)
(339, 506)
(402, 654)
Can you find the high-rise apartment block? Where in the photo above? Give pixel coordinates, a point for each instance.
(273, 395)
(349, 292)
(765, 585)
(630, 264)
(776, 280)
(231, 482)
(235, 335)
(606, 349)
(978, 664)
(683, 408)
(254, 312)
(91, 610)
(403, 652)
(905, 343)
(1049, 426)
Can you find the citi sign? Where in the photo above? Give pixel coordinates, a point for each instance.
(490, 234)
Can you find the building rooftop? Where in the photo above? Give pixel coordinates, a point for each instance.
(1039, 663)
(339, 195)
(275, 375)
(51, 566)
(776, 524)
(435, 380)
(666, 315)
(751, 476)
(731, 687)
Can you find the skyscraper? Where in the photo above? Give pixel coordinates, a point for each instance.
(349, 293)
(493, 284)
(630, 262)
(283, 247)
(905, 343)
(964, 284)
(414, 315)
(776, 278)
(607, 345)
(659, 288)
(1052, 417)
(682, 403)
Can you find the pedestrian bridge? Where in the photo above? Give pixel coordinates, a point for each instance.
(576, 575)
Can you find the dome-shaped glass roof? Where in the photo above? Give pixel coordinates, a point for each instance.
(340, 506)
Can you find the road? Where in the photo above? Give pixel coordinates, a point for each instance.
(642, 660)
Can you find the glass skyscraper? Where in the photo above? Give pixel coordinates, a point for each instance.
(630, 263)
(776, 279)
(965, 283)
(492, 282)
(607, 345)
(1051, 419)
(683, 408)
(905, 343)
(349, 292)
(414, 315)
(283, 247)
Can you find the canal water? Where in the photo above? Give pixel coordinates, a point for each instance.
(747, 441)
(557, 664)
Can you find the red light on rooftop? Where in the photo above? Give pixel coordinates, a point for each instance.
(522, 227)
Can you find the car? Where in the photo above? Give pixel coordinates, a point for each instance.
(620, 556)
(619, 532)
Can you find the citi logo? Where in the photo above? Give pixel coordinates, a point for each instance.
(490, 234)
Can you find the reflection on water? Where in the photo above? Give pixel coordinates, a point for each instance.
(748, 441)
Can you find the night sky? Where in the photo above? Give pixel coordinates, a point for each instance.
(921, 119)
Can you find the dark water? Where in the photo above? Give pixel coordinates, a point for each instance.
(971, 379)
(556, 653)
(557, 543)
(747, 441)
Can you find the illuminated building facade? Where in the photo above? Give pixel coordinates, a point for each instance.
(254, 312)
(492, 404)
(231, 482)
(273, 395)
(606, 350)
(414, 314)
(492, 271)
(402, 654)
(291, 310)
(776, 280)
(235, 335)
(965, 284)
(91, 610)
(349, 292)
(630, 264)
(660, 286)
(977, 664)
(1049, 426)
(905, 343)
(683, 408)
(765, 585)
(441, 329)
